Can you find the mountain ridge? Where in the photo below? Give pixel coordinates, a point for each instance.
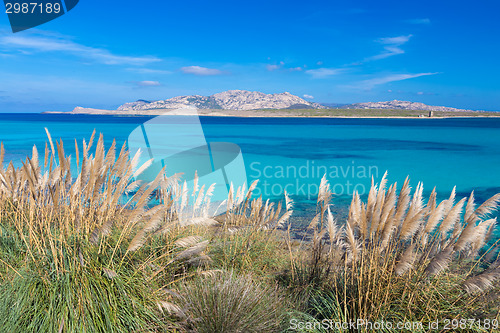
(227, 100)
(253, 100)
(403, 105)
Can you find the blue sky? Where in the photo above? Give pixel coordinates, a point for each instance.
(105, 53)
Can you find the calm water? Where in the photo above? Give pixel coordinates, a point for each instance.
(294, 153)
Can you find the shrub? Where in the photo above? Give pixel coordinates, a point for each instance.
(224, 302)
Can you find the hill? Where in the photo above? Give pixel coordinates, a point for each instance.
(227, 100)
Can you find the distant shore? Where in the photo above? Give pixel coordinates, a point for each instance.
(295, 113)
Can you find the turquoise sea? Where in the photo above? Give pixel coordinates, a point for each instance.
(294, 153)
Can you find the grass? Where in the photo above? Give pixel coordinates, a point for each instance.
(397, 259)
(90, 251)
(78, 301)
(75, 256)
(225, 302)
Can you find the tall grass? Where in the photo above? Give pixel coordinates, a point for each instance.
(397, 258)
(93, 248)
(87, 247)
(225, 303)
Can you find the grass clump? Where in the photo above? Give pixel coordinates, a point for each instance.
(399, 259)
(84, 301)
(87, 251)
(94, 249)
(250, 251)
(224, 302)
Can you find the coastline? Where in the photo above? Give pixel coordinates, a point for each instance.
(291, 113)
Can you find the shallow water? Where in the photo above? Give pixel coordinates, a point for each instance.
(293, 153)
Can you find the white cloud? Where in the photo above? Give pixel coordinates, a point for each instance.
(419, 21)
(202, 71)
(392, 47)
(369, 84)
(280, 65)
(321, 73)
(395, 40)
(148, 83)
(272, 67)
(47, 43)
(308, 96)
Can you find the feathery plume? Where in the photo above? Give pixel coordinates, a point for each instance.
(352, 242)
(482, 282)
(473, 234)
(188, 241)
(143, 167)
(406, 261)
(192, 251)
(488, 206)
(440, 262)
(171, 308)
(332, 228)
(470, 208)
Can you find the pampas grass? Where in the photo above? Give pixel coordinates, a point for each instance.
(389, 259)
(97, 225)
(483, 281)
(93, 248)
(94, 222)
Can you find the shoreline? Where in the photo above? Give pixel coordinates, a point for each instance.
(285, 113)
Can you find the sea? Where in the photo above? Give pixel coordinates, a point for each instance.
(293, 154)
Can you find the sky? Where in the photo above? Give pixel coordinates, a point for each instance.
(102, 54)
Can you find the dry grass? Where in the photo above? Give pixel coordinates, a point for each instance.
(85, 246)
(399, 258)
(49, 207)
(95, 229)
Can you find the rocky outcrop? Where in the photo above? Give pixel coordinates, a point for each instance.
(227, 100)
(402, 105)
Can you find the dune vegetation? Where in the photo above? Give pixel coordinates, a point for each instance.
(96, 250)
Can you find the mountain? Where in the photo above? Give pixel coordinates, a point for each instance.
(227, 100)
(401, 105)
(240, 100)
